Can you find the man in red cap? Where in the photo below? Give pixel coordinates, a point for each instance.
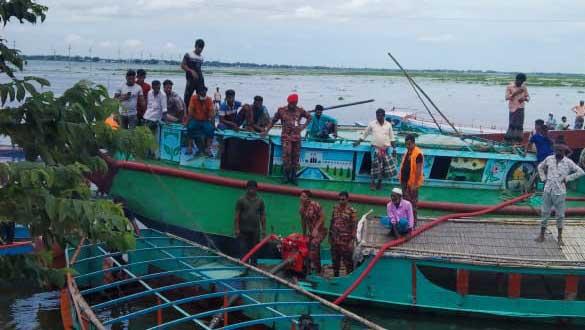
(290, 117)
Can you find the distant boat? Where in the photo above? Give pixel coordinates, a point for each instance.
(413, 121)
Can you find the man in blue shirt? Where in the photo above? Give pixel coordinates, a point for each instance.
(541, 141)
(228, 111)
(321, 125)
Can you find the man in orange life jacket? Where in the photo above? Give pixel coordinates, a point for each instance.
(411, 172)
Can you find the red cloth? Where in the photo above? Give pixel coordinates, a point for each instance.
(293, 98)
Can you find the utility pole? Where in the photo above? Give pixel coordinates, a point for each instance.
(69, 56)
(90, 60)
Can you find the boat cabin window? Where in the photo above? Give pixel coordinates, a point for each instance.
(484, 283)
(549, 287)
(245, 156)
(443, 277)
(440, 167)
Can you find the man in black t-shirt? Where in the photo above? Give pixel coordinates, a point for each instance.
(192, 62)
(250, 219)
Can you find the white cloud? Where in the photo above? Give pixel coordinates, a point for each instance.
(308, 12)
(441, 38)
(133, 43)
(105, 44)
(73, 38)
(169, 45)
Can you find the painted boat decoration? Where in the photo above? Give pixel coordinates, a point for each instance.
(414, 122)
(449, 161)
(21, 244)
(489, 267)
(172, 283)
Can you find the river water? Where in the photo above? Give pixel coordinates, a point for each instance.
(463, 103)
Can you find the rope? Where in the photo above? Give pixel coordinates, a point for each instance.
(417, 232)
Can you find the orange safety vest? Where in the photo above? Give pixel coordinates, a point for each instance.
(112, 123)
(413, 179)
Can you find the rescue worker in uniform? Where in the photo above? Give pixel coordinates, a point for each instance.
(312, 221)
(342, 234)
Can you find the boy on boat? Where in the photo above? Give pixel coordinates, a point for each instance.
(551, 122)
(555, 171)
(250, 219)
(411, 175)
(383, 166)
(400, 213)
(290, 117)
(175, 104)
(342, 234)
(563, 125)
(517, 96)
(579, 110)
(321, 126)
(191, 64)
(313, 224)
(130, 96)
(199, 126)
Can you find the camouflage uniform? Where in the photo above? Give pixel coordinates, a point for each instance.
(311, 215)
(342, 237)
(291, 136)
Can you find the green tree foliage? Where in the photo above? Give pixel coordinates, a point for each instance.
(67, 133)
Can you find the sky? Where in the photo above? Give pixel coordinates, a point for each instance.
(502, 35)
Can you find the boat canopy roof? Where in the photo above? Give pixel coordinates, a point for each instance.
(175, 276)
(500, 242)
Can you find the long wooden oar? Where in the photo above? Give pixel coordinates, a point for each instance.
(346, 105)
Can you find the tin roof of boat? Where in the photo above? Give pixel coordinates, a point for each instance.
(170, 274)
(488, 241)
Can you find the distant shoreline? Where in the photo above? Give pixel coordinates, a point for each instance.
(253, 69)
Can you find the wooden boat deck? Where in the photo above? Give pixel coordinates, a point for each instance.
(493, 241)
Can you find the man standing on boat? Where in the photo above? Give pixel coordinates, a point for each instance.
(541, 141)
(383, 166)
(313, 224)
(342, 234)
(199, 126)
(321, 126)
(411, 175)
(290, 117)
(216, 99)
(579, 110)
(517, 96)
(130, 96)
(555, 171)
(191, 64)
(141, 81)
(551, 122)
(157, 106)
(400, 213)
(250, 219)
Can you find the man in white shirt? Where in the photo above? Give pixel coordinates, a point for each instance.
(216, 99)
(157, 106)
(555, 171)
(383, 166)
(130, 95)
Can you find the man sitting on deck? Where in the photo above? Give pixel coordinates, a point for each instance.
(175, 104)
(199, 126)
(400, 214)
(321, 125)
(555, 171)
(382, 138)
(228, 111)
(258, 118)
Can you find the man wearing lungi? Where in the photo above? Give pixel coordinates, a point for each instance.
(383, 166)
(517, 96)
